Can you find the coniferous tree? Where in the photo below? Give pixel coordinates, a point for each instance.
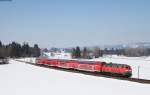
(45, 50)
(85, 53)
(26, 50)
(15, 49)
(73, 54)
(36, 50)
(0, 48)
(78, 52)
(0, 44)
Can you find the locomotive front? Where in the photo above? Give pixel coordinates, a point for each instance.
(127, 71)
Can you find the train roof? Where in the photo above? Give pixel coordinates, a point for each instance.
(80, 61)
(117, 64)
(89, 62)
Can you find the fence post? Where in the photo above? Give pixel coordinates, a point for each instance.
(138, 72)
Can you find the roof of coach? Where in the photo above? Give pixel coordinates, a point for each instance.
(90, 62)
(117, 65)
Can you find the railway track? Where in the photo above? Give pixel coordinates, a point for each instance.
(144, 81)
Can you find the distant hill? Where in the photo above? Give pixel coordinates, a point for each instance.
(130, 45)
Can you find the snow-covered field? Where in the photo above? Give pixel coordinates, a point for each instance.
(18, 78)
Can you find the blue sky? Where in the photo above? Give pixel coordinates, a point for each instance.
(67, 23)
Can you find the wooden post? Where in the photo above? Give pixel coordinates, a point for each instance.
(138, 72)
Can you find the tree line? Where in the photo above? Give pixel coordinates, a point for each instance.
(15, 49)
(130, 52)
(86, 53)
(97, 52)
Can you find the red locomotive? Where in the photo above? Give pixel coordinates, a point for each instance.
(90, 66)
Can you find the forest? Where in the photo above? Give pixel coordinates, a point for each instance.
(14, 50)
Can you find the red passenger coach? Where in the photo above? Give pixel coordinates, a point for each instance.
(41, 61)
(72, 64)
(53, 62)
(90, 66)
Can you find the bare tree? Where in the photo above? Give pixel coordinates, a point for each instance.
(97, 52)
(85, 53)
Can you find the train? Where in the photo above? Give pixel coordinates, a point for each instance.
(111, 69)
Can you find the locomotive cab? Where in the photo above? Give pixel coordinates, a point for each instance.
(128, 71)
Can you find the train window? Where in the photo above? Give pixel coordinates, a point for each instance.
(108, 65)
(120, 66)
(117, 66)
(127, 67)
(114, 66)
(111, 65)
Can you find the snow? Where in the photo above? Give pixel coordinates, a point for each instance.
(27, 59)
(143, 63)
(57, 55)
(18, 78)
